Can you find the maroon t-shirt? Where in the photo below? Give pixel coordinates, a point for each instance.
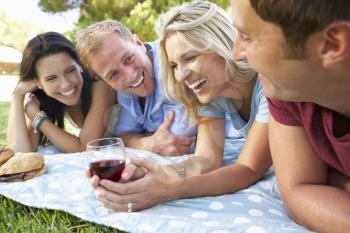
(328, 131)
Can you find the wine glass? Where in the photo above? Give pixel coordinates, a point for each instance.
(106, 158)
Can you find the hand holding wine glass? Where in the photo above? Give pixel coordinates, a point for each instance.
(106, 158)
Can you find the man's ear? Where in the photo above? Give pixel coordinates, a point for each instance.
(139, 42)
(336, 46)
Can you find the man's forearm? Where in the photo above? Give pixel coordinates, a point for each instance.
(320, 208)
(138, 141)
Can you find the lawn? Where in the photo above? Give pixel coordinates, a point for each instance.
(4, 109)
(16, 217)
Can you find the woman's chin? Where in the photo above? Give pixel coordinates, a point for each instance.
(204, 99)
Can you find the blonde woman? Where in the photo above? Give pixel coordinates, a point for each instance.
(196, 41)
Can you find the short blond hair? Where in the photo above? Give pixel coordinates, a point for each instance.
(206, 28)
(89, 39)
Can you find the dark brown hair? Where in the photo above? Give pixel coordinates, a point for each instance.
(298, 19)
(44, 45)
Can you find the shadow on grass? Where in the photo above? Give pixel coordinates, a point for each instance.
(16, 217)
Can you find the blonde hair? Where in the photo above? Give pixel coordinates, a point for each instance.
(206, 28)
(89, 40)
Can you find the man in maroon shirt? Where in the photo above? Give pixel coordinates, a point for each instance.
(302, 51)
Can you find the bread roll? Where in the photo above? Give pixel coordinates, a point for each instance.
(5, 154)
(22, 162)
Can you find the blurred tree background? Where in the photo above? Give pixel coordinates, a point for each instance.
(15, 34)
(138, 16)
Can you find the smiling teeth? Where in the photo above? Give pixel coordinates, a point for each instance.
(68, 92)
(138, 82)
(197, 83)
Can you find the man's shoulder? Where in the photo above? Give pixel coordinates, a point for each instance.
(292, 113)
(293, 106)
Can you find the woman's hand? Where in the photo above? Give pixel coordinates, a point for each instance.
(156, 186)
(31, 106)
(24, 87)
(132, 172)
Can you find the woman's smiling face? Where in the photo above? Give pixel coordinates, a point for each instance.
(203, 73)
(60, 77)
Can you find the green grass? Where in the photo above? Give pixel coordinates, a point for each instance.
(15, 217)
(4, 109)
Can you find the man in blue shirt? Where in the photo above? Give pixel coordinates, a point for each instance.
(147, 119)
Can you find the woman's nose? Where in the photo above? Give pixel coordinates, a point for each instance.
(65, 82)
(182, 74)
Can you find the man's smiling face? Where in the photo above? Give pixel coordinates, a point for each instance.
(124, 65)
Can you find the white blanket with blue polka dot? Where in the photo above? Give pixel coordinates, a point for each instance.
(257, 209)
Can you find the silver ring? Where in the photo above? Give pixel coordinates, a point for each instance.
(130, 204)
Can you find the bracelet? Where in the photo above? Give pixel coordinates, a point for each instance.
(180, 169)
(38, 120)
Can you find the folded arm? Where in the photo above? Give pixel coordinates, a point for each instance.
(20, 136)
(303, 182)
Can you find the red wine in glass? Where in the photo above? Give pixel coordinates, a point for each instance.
(108, 169)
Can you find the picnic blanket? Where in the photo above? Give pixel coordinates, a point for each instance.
(257, 209)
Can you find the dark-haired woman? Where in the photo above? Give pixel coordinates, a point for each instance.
(53, 87)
